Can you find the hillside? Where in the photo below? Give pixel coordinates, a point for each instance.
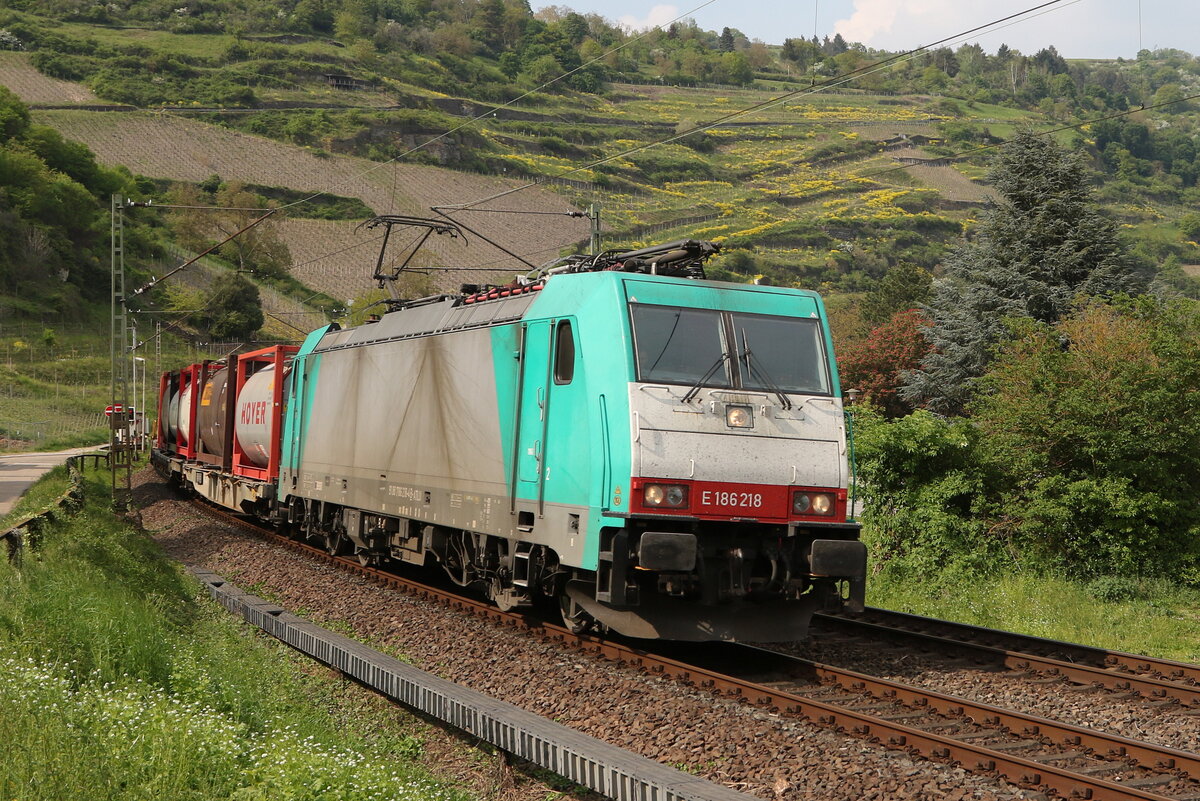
(828, 187)
(179, 149)
(381, 109)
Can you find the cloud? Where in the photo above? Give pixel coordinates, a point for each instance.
(659, 15)
(872, 21)
(870, 17)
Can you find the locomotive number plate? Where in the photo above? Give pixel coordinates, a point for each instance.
(757, 501)
(731, 499)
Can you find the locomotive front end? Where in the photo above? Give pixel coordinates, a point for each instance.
(737, 524)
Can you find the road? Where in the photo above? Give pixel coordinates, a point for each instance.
(18, 471)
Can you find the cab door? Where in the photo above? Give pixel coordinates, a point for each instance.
(534, 410)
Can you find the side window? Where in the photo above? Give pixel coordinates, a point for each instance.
(564, 353)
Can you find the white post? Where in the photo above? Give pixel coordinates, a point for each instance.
(139, 425)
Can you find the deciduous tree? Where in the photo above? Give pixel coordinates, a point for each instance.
(233, 309)
(874, 365)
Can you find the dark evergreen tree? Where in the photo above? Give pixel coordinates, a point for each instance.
(487, 25)
(1040, 244)
(1048, 60)
(725, 43)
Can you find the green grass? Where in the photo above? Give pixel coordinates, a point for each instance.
(121, 680)
(1144, 617)
(204, 45)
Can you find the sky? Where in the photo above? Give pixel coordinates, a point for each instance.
(1078, 28)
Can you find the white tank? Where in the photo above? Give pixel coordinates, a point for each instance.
(185, 415)
(254, 424)
(173, 416)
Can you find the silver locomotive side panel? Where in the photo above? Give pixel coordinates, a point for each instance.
(409, 428)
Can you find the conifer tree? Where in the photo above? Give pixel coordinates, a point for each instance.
(1041, 243)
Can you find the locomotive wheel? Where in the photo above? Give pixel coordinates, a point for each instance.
(336, 543)
(575, 618)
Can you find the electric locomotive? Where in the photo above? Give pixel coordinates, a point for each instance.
(662, 455)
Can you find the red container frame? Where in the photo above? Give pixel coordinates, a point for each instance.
(247, 365)
(191, 376)
(164, 400)
(208, 368)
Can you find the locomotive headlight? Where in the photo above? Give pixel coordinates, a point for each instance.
(672, 496)
(812, 503)
(739, 417)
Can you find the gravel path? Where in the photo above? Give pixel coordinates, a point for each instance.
(721, 740)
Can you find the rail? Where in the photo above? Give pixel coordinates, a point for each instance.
(1004, 733)
(1147, 676)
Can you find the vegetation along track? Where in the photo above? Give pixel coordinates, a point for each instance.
(1082, 665)
(1032, 751)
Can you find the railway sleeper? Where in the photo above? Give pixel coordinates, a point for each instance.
(1063, 756)
(1016, 745)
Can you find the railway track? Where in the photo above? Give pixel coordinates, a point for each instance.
(1160, 680)
(1034, 752)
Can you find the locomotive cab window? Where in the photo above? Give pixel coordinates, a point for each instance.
(676, 345)
(564, 353)
(780, 352)
(706, 347)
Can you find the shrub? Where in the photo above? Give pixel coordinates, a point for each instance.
(1095, 424)
(925, 492)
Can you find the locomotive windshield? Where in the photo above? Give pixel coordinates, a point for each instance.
(678, 345)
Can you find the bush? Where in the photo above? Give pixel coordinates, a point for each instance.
(1095, 424)
(925, 496)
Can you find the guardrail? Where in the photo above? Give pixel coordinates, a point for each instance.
(28, 528)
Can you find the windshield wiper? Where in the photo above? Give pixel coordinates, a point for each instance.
(704, 378)
(762, 375)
